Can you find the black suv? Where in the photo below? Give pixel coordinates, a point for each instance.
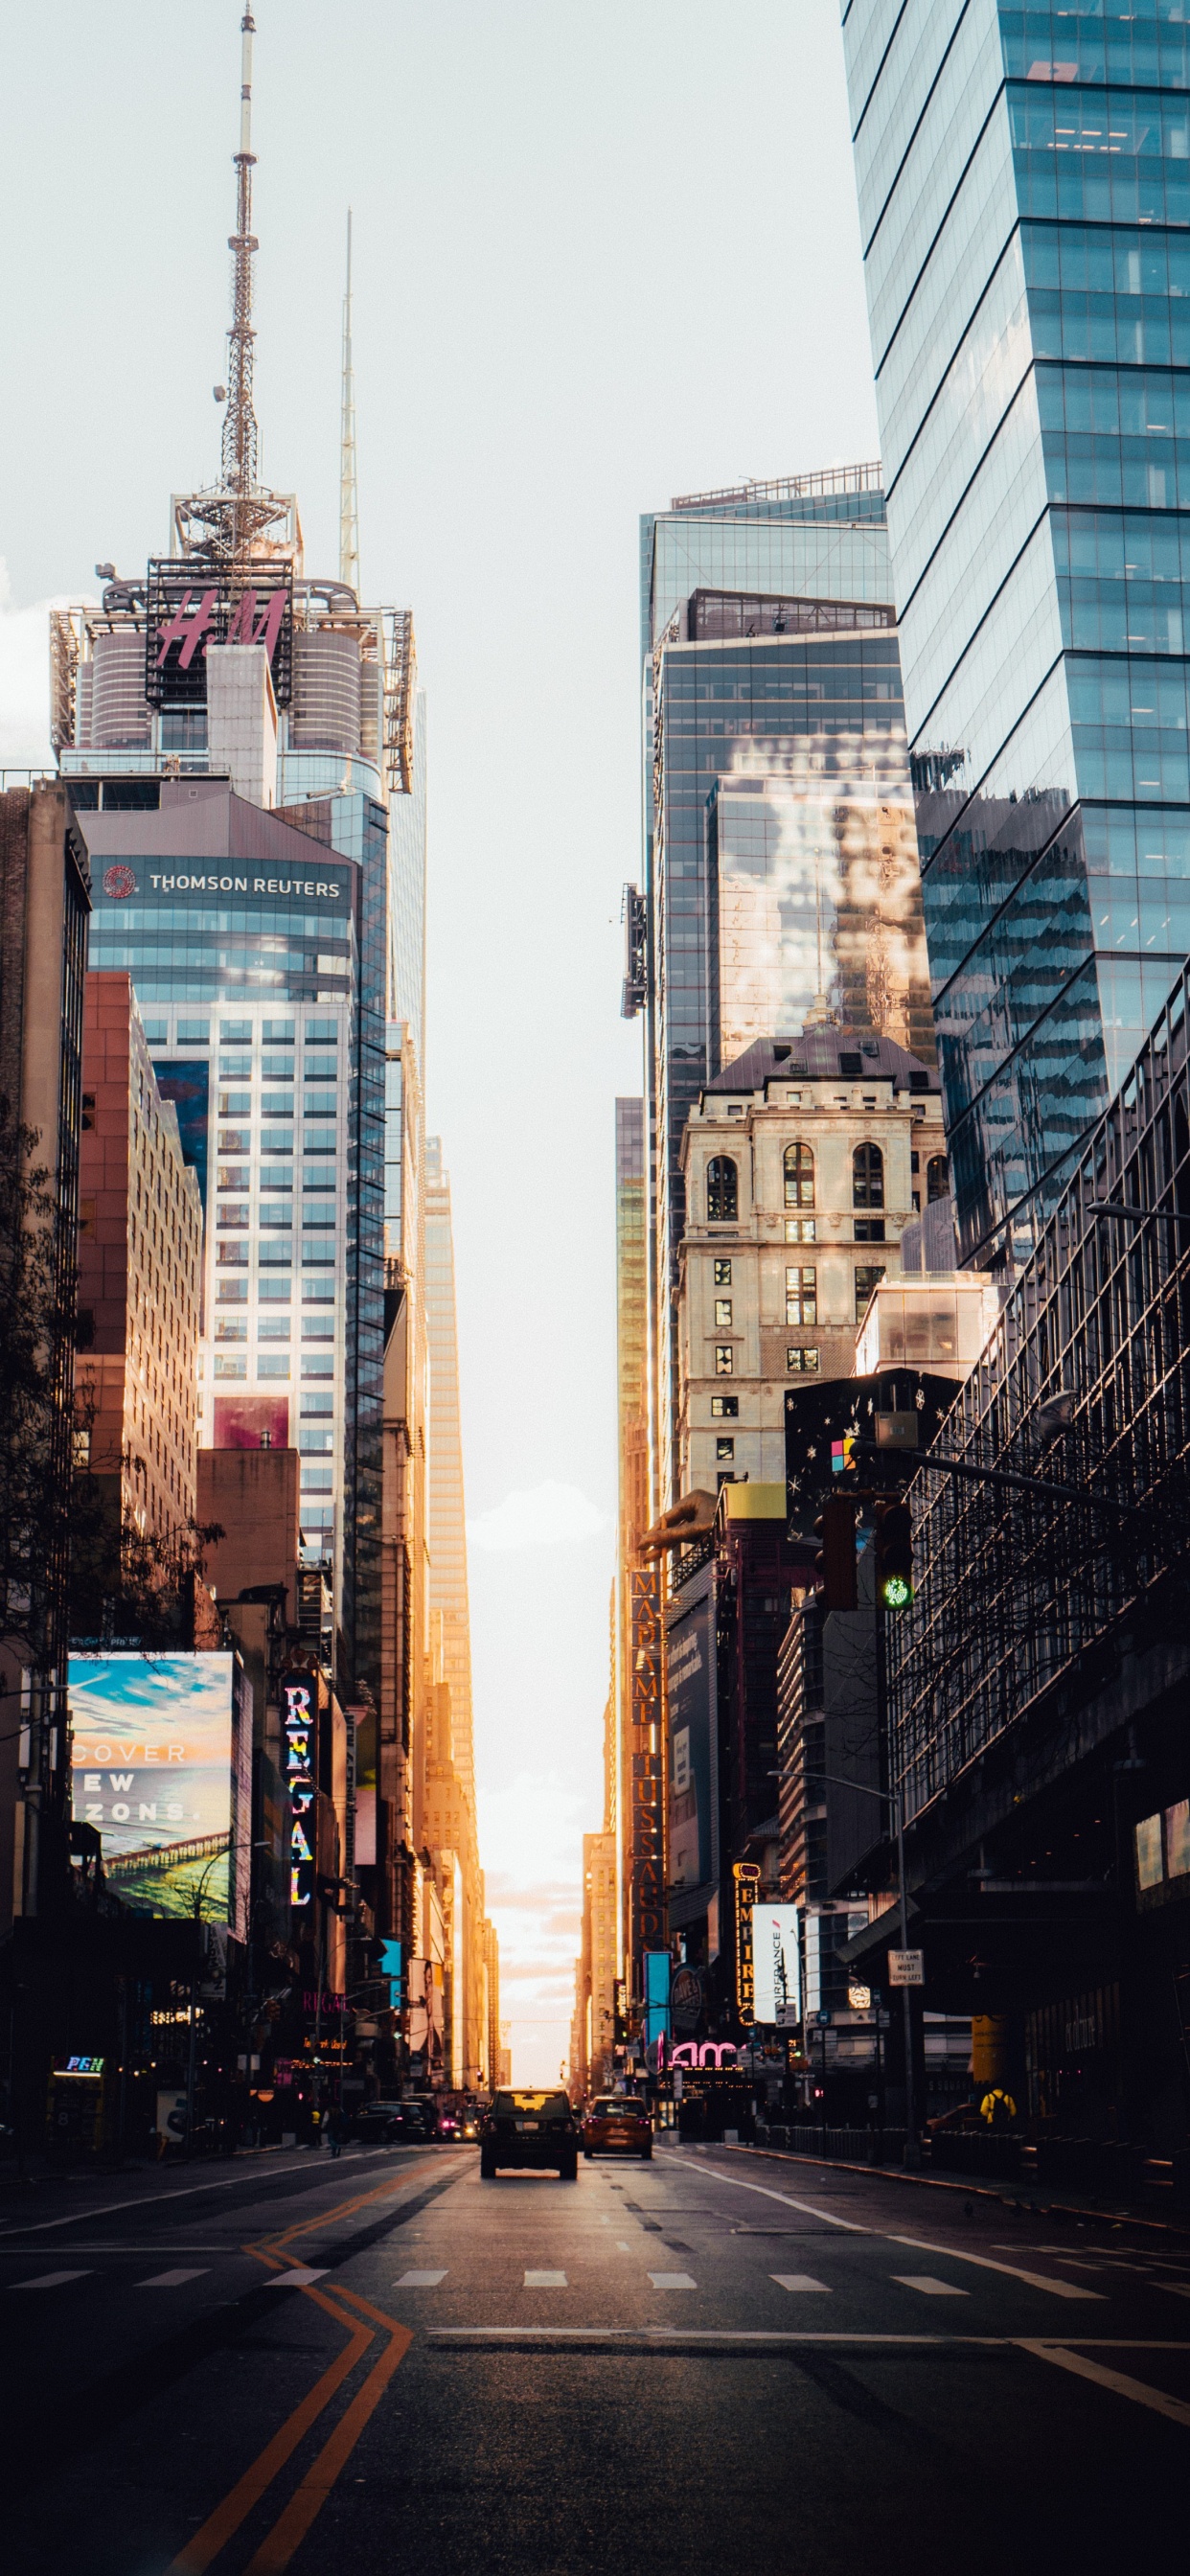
(530, 2129)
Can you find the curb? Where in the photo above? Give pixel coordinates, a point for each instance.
(970, 2190)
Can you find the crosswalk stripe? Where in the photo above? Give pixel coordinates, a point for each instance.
(929, 2287)
(545, 2280)
(420, 2280)
(173, 2280)
(298, 2278)
(51, 2280)
(672, 2281)
(1014, 2271)
(799, 2281)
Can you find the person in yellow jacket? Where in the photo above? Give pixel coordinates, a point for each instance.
(997, 2108)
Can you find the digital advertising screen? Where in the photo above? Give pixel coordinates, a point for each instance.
(690, 1679)
(156, 1768)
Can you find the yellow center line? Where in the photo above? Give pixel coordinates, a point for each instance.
(277, 2550)
(220, 2526)
(225, 2521)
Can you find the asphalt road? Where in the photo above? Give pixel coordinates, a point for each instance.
(717, 2362)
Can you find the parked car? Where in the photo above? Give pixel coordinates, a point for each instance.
(375, 2124)
(530, 2130)
(617, 2125)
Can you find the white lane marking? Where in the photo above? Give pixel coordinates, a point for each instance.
(711, 2173)
(672, 2281)
(622, 2246)
(298, 2277)
(545, 2280)
(799, 2281)
(930, 2287)
(172, 2280)
(1015, 2271)
(50, 2280)
(235, 2182)
(419, 2280)
(1117, 2381)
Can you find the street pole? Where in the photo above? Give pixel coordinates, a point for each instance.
(912, 2146)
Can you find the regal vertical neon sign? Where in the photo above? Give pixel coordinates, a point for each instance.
(299, 1720)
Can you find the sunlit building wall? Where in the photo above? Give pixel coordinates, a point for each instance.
(780, 869)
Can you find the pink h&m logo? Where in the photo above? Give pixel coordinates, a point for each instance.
(191, 628)
(187, 631)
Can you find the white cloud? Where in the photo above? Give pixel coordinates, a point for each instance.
(547, 1515)
(24, 682)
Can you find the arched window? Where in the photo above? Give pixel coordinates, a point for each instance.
(799, 1176)
(867, 1177)
(723, 1191)
(937, 1177)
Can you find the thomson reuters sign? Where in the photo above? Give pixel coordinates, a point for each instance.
(123, 881)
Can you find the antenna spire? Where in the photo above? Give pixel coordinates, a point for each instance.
(348, 493)
(239, 424)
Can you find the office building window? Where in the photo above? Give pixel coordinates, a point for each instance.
(799, 1176)
(801, 1229)
(869, 1229)
(802, 1359)
(867, 1177)
(937, 1177)
(230, 1364)
(723, 1191)
(723, 1310)
(868, 1276)
(723, 1274)
(801, 1294)
(725, 1448)
(724, 1408)
(273, 1364)
(724, 1360)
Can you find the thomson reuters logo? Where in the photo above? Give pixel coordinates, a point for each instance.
(119, 883)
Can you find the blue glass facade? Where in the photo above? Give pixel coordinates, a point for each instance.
(259, 956)
(1024, 189)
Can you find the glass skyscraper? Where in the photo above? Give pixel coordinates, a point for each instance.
(781, 876)
(256, 838)
(1024, 190)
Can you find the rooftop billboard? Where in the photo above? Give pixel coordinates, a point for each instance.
(161, 1766)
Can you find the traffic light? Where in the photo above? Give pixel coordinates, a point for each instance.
(894, 1555)
(834, 1565)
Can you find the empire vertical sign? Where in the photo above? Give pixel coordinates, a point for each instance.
(646, 1842)
(746, 1874)
(299, 1722)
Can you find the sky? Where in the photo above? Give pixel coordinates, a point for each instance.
(605, 251)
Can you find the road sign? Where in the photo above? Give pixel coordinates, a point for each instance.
(906, 1968)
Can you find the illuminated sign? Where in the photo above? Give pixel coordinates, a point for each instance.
(299, 1723)
(706, 2052)
(746, 1874)
(185, 615)
(161, 1766)
(776, 1966)
(80, 2066)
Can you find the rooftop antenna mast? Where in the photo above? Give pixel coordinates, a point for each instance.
(239, 423)
(348, 491)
